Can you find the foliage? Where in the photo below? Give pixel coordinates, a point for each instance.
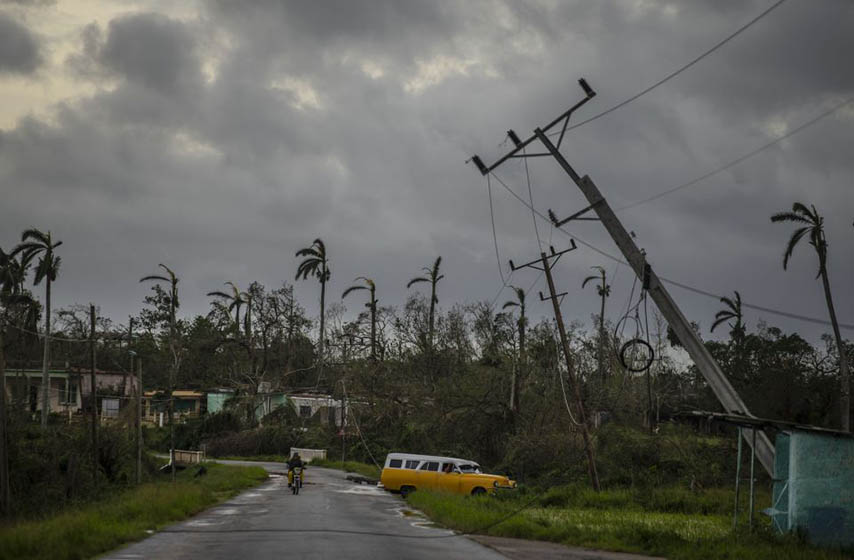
(53, 468)
(118, 518)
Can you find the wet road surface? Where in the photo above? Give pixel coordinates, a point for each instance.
(330, 518)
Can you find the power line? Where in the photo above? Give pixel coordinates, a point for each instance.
(739, 159)
(494, 236)
(772, 311)
(531, 198)
(678, 71)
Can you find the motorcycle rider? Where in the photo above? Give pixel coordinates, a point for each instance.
(294, 462)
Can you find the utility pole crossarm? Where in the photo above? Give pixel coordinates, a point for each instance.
(522, 144)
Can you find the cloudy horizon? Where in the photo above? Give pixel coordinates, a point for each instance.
(221, 137)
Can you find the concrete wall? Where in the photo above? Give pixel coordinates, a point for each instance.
(814, 492)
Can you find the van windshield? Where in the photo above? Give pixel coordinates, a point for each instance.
(469, 468)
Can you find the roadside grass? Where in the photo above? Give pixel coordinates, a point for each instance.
(124, 517)
(669, 524)
(364, 469)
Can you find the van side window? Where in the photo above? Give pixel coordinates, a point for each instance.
(412, 464)
(430, 466)
(395, 463)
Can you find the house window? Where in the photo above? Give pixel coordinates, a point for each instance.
(305, 411)
(110, 408)
(71, 394)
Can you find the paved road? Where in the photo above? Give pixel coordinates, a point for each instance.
(331, 518)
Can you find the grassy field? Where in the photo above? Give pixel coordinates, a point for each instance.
(670, 522)
(98, 527)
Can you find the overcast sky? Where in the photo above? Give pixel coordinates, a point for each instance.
(221, 137)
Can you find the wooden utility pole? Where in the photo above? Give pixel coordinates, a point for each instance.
(692, 343)
(139, 422)
(93, 407)
(546, 262)
(130, 371)
(4, 440)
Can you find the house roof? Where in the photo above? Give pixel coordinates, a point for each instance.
(763, 423)
(177, 393)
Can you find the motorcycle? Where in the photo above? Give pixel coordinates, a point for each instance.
(296, 480)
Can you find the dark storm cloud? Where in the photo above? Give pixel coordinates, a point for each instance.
(150, 50)
(19, 49)
(351, 121)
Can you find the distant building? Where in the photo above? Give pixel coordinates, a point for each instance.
(317, 406)
(187, 404)
(70, 389)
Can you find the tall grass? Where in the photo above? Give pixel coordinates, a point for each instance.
(128, 516)
(666, 522)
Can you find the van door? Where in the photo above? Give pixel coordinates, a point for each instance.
(427, 474)
(449, 478)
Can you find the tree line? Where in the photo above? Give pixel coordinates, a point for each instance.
(469, 379)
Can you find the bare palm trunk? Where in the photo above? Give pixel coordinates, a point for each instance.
(516, 382)
(373, 327)
(845, 382)
(322, 316)
(46, 357)
(432, 315)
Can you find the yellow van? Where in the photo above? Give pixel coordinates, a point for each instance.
(406, 472)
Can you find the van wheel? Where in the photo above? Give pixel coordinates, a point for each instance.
(478, 491)
(406, 490)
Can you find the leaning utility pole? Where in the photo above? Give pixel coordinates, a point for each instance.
(94, 401)
(704, 361)
(546, 264)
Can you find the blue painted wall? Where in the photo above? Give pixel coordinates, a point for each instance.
(814, 487)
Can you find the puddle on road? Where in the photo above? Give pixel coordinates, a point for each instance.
(203, 523)
(361, 490)
(226, 511)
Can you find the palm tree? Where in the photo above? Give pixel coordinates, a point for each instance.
(521, 323)
(732, 311)
(604, 290)
(233, 302)
(316, 264)
(432, 276)
(372, 305)
(35, 243)
(172, 281)
(811, 224)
